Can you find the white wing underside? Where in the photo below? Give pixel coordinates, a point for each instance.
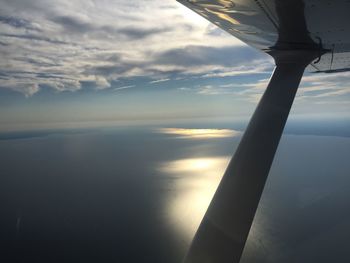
(257, 23)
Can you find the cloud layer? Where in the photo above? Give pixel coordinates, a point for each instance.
(72, 45)
(63, 44)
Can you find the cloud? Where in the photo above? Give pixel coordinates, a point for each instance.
(140, 33)
(124, 87)
(73, 24)
(324, 86)
(27, 88)
(314, 88)
(158, 81)
(259, 66)
(78, 26)
(33, 37)
(206, 55)
(63, 44)
(17, 22)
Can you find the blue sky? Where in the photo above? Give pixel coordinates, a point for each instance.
(65, 62)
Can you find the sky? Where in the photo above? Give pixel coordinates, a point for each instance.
(65, 63)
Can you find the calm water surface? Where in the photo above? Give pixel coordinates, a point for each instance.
(138, 195)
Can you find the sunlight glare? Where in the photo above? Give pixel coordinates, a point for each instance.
(195, 182)
(193, 16)
(200, 133)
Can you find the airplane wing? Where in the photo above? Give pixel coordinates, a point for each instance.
(298, 34)
(268, 24)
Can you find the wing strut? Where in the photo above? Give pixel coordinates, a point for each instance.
(224, 229)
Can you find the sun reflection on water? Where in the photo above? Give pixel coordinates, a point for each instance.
(200, 133)
(195, 182)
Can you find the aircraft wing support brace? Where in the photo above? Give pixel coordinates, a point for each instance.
(223, 232)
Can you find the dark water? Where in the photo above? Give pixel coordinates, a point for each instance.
(137, 195)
